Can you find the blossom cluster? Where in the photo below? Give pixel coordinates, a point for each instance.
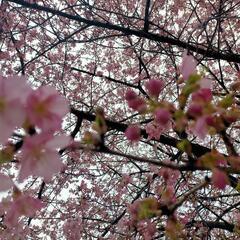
(38, 113)
(197, 113)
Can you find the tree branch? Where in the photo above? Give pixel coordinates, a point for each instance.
(231, 57)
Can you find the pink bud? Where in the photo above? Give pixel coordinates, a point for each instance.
(162, 116)
(195, 110)
(137, 104)
(210, 121)
(203, 94)
(154, 87)
(219, 179)
(133, 133)
(130, 95)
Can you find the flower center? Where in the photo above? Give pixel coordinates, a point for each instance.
(41, 109)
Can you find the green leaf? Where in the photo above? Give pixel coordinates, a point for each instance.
(148, 208)
(185, 146)
(226, 101)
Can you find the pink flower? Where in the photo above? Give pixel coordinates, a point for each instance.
(22, 205)
(162, 116)
(203, 94)
(195, 110)
(138, 104)
(39, 156)
(155, 130)
(219, 179)
(188, 65)
(130, 95)
(12, 113)
(154, 87)
(133, 133)
(46, 108)
(135, 102)
(210, 121)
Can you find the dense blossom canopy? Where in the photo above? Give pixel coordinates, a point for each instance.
(119, 119)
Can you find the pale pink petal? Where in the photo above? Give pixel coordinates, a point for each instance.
(200, 128)
(59, 141)
(50, 123)
(16, 88)
(14, 114)
(6, 130)
(27, 167)
(48, 165)
(36, 141)
(188, 65)
(23, 205)
(29, 205)
(59, 106)
(46, 108)
(11, 217)
(11, 117)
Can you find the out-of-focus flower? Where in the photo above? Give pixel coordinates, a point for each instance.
(154, 87)
(219, 178)
(46, 108)
(188, 65)
(162, 116)
(39, 156)
(135, 102)
(133, 133)
(22, 205)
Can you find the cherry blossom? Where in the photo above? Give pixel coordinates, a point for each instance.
(154, 130)
(188, 65)
(162, 116)
(200, 127)
(154, 87)
(39, 156)
(204, 94)
(46, 108)
(168, 68)
(133, 133)
(21, 205)
(219, 179)
(135, 102)
(195, 110)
